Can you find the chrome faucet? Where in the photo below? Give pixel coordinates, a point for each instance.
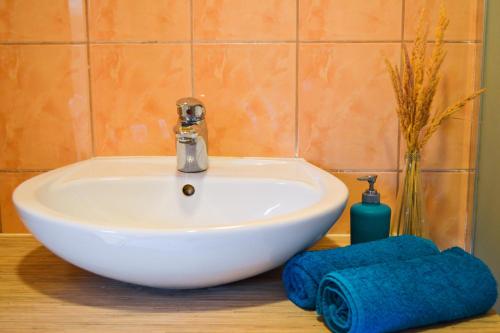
(191, 136)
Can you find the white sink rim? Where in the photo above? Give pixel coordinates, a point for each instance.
(25, 199)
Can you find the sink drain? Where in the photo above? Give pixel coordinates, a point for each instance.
(188, 190)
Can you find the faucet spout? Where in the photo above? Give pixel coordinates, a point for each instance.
(191, 136)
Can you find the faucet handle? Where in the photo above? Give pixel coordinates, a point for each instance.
(190, 109)
(186, 134)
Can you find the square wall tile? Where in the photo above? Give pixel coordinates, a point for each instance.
(249, 92)
(44, 118)
(466, 18)
(42, 21)
(386, 184)
(347, 117)
(10, 221)
(450, 147)
(366, 20)
(126, 20)
(134, 90)
(244, 20)
(445, 197)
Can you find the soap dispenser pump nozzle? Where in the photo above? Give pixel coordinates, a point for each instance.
(370, 195)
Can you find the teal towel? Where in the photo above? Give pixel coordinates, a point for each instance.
(303, 273)
(395, 296)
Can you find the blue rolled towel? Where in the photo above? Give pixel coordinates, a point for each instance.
(303, 272)
(399, 295)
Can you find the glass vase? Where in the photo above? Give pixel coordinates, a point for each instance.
(410, 215)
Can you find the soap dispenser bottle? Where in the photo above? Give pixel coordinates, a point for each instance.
(370, 219)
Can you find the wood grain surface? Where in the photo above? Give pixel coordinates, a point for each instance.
(40, 292)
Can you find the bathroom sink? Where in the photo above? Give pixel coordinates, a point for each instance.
(139, 220)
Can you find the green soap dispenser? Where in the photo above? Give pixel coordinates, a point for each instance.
(370, 219)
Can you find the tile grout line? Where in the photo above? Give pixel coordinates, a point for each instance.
(466, 170)
(429, 170)
(23, 170)
(349, 41)
(191, 45)
(249, 41)
(193, 41)
(1, 222)
(398, 152)
(140, 42)
(89, 76)
(382, 41)
(45, 43)
(361, 170)
(296, 143)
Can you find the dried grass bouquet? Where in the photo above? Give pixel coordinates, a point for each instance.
(415, 85)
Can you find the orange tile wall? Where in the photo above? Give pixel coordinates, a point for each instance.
(279, 78)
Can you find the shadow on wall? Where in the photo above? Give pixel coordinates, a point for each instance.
(50, 275)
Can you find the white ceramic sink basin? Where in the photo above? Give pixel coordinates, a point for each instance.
(128, 218)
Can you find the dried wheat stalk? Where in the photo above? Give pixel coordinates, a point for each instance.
(417, 84)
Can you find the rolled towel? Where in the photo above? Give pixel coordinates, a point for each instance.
(303, 272)
(399, 295)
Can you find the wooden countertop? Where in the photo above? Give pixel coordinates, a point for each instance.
(40, 292)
